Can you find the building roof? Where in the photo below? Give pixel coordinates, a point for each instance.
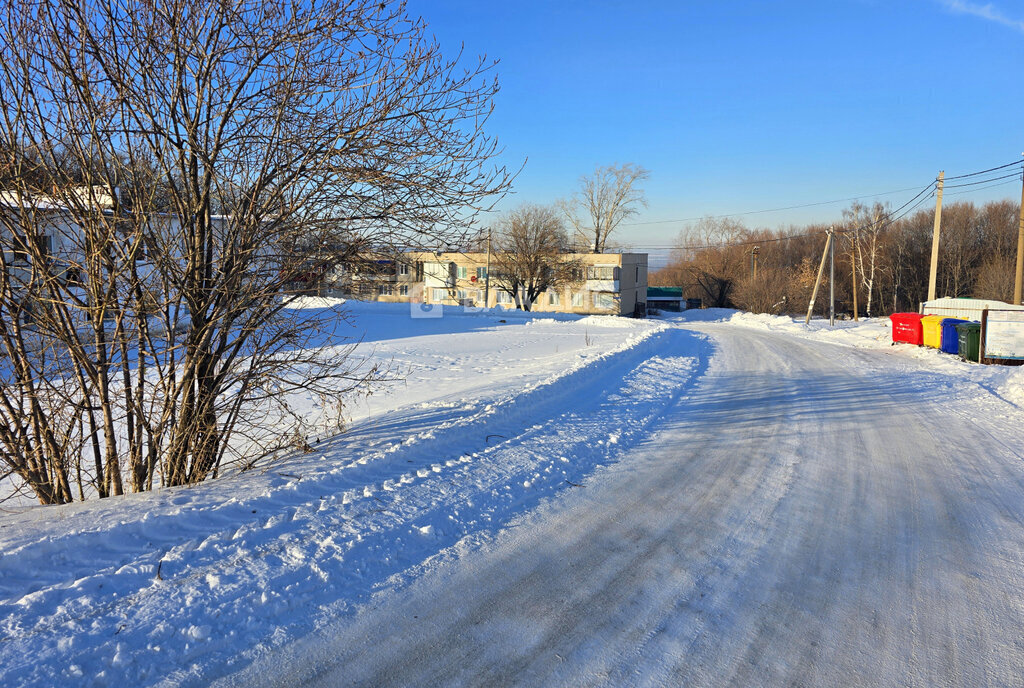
(97, 196)
(664, 292)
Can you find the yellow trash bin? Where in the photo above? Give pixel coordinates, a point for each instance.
(931, 326)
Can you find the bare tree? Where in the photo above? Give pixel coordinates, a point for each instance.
(961, 250)
(908, 254)
(770, 292)
(867, 225)
(169, 170)
(714, 265)
(995, 278)
(606, 198)
(530, 258)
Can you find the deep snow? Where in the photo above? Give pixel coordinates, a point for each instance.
(537, 421)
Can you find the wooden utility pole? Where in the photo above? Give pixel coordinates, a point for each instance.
(817, 282)
(853, 272)
(831, 282)
(753, 261)
(1020, 249)
(487, 273)
(935, 238)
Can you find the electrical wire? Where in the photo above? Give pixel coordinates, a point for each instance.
(768, 210)
(992, 169)
(749, 242)
(884, 224)
(838, 200)
(982, 188)
(1014, 175)
(890, 218)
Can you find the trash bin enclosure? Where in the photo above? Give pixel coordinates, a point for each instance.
(969, 336)
(931, 330)
(1002, 335)
(906, 327)
(950, 337)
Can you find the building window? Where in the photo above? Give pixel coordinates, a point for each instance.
(403, 290)
(504, 297)
(141, 253)
(72, 276)
(554, 299)
(20, 252)
(602, 272)
(45, 246)
(463, 272)
(481, 273)
(385, 290)
(403, 269)
(604, 302)
(577, 299)
(440, 294)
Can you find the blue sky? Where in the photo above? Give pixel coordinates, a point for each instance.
(739, 106)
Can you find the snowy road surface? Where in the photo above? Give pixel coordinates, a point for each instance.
(566, 500)
(806, 514)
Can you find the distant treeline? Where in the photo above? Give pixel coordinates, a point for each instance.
(977, 257)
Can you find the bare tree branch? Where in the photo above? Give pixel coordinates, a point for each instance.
(605, 199)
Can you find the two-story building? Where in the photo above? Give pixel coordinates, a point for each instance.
(379, 277)
(608, 283)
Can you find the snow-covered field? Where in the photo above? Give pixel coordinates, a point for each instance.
(495, 421)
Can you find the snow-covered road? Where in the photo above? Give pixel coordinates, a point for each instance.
(805, 514)
(567, 500)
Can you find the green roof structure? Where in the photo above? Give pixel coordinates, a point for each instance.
(664, 292)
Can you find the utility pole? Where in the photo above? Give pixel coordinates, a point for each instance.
(753, 262)
(935, 238)
(487, 273)
(853, 272)
(831, 280)
(817, 282)
(1020, 248)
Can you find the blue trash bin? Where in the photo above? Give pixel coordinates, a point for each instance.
(950, 337)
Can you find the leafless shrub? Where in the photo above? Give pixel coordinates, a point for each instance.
(169, 172)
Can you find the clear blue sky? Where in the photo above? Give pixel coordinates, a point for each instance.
(738, 106)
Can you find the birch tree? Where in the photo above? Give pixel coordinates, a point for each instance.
(867, 224)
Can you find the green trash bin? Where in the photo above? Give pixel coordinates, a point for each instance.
(969, 340)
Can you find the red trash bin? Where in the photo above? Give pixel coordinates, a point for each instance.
(906, 327)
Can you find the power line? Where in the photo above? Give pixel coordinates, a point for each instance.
(982, 188)
(838, 200)
(890, 218)
(992, 169)
(768, 210)
(1013, 175)
(788, 237)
